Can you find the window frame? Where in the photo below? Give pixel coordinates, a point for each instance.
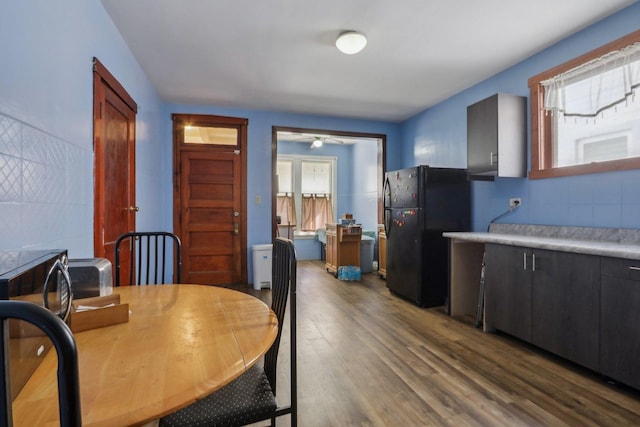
(291, 161)
(541, 154)
(297, 160)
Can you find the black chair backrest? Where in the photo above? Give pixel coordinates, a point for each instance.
(283, 287)
(153, 255)
(65, 345)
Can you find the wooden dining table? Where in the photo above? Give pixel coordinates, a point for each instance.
(180, 343)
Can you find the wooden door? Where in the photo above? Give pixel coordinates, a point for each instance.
(114, 146)
(210, 198)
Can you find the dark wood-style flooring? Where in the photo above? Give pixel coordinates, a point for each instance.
(369, 358)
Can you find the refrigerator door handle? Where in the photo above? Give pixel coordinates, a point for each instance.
(387, 210)
(385, 190)
(387, 222)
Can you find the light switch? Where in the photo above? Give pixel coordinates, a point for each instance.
(258, 200)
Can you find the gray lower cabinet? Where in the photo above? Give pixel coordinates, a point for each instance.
(566, 305)
(508, 290)
(548, 298)
(620, 320)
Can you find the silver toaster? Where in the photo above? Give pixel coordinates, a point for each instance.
(90, 277)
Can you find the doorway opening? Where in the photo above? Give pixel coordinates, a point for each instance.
(321, 147)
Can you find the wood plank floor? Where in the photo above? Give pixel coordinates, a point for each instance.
(369, 358)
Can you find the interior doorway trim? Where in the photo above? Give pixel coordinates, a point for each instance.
(381, 166)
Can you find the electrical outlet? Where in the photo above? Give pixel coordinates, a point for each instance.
(516, 201)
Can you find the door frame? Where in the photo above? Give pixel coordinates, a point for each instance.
(212, 120)
(381, 163)
(101, 78)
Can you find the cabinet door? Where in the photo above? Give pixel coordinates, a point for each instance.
(382, 253)
(349, 250)
(566, 305)
(508, 290)
(482, 136)
(620, 320)
(332, 255)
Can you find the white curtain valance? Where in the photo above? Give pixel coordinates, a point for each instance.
(590, 88)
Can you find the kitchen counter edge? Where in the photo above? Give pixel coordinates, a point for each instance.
(590, 247)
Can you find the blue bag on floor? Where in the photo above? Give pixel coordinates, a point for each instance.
(349, 272)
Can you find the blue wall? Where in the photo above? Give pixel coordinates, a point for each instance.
(437, 137)
(365, 184)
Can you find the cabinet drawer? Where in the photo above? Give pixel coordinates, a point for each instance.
(628, 269)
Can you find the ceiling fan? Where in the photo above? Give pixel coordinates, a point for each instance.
(318, 141)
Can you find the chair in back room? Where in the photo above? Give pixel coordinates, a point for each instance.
(65, 345)
(252, 396)
(154, 256)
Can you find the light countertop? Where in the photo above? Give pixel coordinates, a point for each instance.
(591, 247)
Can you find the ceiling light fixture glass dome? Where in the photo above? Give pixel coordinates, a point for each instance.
(351, 42)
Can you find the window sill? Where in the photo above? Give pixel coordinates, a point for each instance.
(611, 166)
(310, 235)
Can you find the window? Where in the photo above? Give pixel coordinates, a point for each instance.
(585, 112)
(315, 185)
(285, 206)
(306, 188)
(602, 148)
(210, 135)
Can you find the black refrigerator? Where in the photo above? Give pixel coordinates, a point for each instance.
(421, 203)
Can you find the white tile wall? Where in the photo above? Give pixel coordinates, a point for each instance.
(44, 183)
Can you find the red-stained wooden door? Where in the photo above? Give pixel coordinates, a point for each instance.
(114, 146)
(210, 198)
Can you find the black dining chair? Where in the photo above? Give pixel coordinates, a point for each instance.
(65, 345)
(252, 396)
(154, 255)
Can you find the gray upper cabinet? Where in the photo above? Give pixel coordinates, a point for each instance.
(497, 137)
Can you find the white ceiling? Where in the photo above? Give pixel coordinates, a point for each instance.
(279, 55)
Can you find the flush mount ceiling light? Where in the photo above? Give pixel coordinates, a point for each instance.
(317, 143)
(350, 42)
